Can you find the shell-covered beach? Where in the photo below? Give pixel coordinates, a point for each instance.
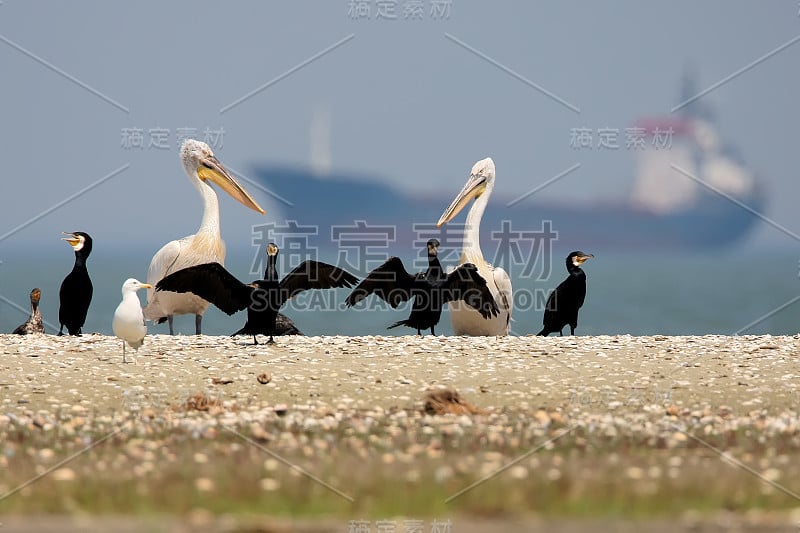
(326, 433)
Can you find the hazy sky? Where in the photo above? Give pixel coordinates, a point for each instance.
(408, 103)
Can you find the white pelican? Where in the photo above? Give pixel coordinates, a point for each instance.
(128, 323)
(205, 246)
(465, 320)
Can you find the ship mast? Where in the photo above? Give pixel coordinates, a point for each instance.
(320, 143)
(698, 108)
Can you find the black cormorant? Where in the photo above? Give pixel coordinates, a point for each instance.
(75, 294)
(563, 303)
(35, 324)
(283, 324)
(262, 298)
(430, 290)
(435, 270)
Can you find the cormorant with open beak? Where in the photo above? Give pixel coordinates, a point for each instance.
(565, 301)
(75, 294)
(262, 298)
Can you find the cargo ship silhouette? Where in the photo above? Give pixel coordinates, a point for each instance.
(696, 194)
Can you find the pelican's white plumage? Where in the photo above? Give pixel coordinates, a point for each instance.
(128, 322)
(205, 246)
(465, 320)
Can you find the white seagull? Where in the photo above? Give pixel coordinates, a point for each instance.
(128, 322)
(466, 320)
(206, 246)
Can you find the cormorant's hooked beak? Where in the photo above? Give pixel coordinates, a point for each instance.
(73, 240)
(473, 189)
(212, 170)
(583, 258)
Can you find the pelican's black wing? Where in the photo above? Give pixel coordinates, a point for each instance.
(211, 282)
(314, 275)
(465, 283)
(390, 282)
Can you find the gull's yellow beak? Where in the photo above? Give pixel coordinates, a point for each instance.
(473, 189)
(146, 286)
(210, 169)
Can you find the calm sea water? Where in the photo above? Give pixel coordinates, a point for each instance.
(628, 293)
